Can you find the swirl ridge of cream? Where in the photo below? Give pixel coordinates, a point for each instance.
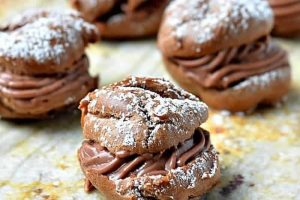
(287, 17)
(124, 164)
(231, 66)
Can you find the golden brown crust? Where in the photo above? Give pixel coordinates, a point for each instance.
(205, 27)
(267, 88)
(119, 20)
(139, 113)
(193, 180)
(40, 42)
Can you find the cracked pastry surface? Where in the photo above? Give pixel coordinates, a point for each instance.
(235, 48)
(143, 141)
(43, 67)
(123, 19)
(44, 42)
(137, 112)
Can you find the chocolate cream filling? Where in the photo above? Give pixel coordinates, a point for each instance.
(233, 65)
(287, 16)
(35, 95)
(124, 164)
(285, 8)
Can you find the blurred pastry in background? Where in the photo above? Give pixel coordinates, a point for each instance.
(143, 141)
(119, 19)
(43, 65)
(222, 51)
(287, 17)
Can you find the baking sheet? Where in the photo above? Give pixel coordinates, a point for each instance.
(259, 153)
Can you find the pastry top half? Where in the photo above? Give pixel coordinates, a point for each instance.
(141, 115)
(203, 27)
(44, 42)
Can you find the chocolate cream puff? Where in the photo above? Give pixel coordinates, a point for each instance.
(43, 67)
(222, 52)
(123, 19)
(287, 17)
(143, 141)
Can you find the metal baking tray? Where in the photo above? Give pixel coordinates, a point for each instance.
(259, 153)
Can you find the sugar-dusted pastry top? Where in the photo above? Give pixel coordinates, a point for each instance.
(141, 115)
(203, 27)
(44, 42)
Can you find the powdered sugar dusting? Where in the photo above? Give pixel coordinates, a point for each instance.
(188, 177)
(201, 19)
(125, 127)
(147, 114)
(158, 107)
(44, 37)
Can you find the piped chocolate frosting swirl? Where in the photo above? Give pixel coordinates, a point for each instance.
(124, 164)
(233, 65)
(287, 17)
(26, 87)
(285, 8)
(38, 94)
